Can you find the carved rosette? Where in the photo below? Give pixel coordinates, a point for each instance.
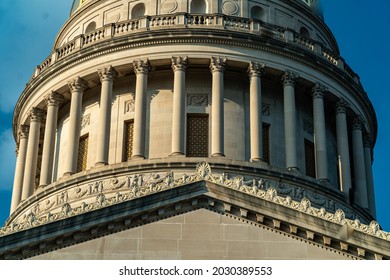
(36, 115)
(289, 79)
(23, 131)
(217, 64)
(341, 107)
(318, 91)
(54, 99)
(107, 74)
(77, 85)
(256, 69)
(358, 123)
(142, 67)
(179, 63)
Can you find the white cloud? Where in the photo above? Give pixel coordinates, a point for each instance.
(7, 159)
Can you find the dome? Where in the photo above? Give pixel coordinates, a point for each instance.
(76, 5)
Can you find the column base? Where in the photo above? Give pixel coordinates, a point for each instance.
(67, 174)
(217, 155)
(137, 157)
(292, 169)
(256, 160)
(98, 164)
(323, 181)
(177, 154)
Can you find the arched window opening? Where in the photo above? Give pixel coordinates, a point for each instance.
(91, 27)
(138, 11)
(198, 7)
(258, 13)
(304, 32)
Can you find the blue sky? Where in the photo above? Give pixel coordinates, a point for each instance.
(360, 27)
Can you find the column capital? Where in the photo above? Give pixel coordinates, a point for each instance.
(217, 64)
(358, 123)
(23, 131)
(77, 85)
(256, 69)
(318, 91)
(289, 78)
(36, 114)
(367, 142)
(142, 66)
(54, 99)
(341, 106)
(179, 63)
(107, 74)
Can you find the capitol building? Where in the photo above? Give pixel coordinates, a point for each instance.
(200, 129)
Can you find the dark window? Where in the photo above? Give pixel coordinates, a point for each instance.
(83, 154)
(198, 6)
(197, 135)
(138, 11)
(266, 142)
(310, 159)
(129, 133)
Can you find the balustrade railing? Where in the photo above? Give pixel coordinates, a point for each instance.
(184, 20)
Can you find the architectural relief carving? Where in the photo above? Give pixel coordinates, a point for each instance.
(217, 64)
(23, 131)
(256, 69)
(318, 91)
(36, 114)
(198, 100)
(107, 74)
(130, 105)
(168, 6)
(77, 85)
(142, 67)
(179, 63)
(230, 7)
(341, 107)
(66, 203)
(265, 109)
(54, 99)
(289, 79)
(85, 121)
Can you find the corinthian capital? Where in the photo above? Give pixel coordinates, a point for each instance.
(318, 91)
(107, 74)
(36, 114)
(341, 107)
(179, 63)
(23, 131)
(289, 79)
(142, 67)
(367, 142)
(217, 64)
(54, 99)
(256, 69)
(358, 123)
(77, 85)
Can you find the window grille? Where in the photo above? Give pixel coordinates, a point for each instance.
(129, 136)
(310, 159)
(83, 154)
(197, 135)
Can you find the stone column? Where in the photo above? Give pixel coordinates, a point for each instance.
(320, 133)
(20, 167)
(256, 124)
(359, 163)
(368, 167)
(30, 169)
(217, 67)
(179, 66)
(107, 76)
(53, 101)
(141, 69)
(77, 87)
(290, 119)
(343, 148)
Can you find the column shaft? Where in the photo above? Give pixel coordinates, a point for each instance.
(290, 119)
(107, 76)
(179, 66)
(343, 148)
(20, 167)
(217, 67)
(141, 69)
(369, 177)
(77, 87)
(359, 165)
(321, 151)
(255, 107)
(36, 116)
(53, 101)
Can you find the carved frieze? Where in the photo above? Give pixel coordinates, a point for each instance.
(198, 100)
(85, 121)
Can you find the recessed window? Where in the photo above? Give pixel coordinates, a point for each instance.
(258, 13)
(304, 32)
(310, 159)
(266, 142)
(138, 11)
(128, 140)
(83, 154)
(198, 6)
(91, 27)
(197, 135)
